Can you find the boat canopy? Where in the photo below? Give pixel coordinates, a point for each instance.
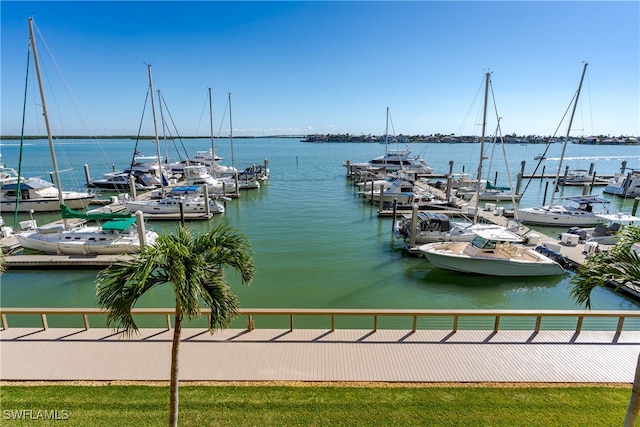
(587, 199)
(498, 234)
(185, 189)
(70, 213)
(433, 216)
(119, 224)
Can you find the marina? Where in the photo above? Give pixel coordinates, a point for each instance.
(316, 243)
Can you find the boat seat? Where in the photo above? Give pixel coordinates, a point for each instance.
(600, 230)
(615, 227)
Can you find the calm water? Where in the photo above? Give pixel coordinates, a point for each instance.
(316, 244)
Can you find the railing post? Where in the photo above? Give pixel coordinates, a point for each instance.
(333, 323)
(168, 316)
(5, 324)
(43, 317)
(455, 323)
(579, 325)
(538, 324)
(85, 319)
(375, 323)
(415, 323)
(620, 325)
(249, 325)
(496, 325)
(291, 323)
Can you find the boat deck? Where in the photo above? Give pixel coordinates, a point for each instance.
(508, 356)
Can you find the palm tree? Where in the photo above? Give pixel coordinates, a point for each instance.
(195, 268)
(619, 265)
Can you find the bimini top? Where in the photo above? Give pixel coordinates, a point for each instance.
(118, 224)
(499, 234)
(586, 199)
(433, 216)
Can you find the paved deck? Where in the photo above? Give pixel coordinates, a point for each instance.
(321, 355)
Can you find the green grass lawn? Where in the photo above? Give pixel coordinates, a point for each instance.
(324, 405)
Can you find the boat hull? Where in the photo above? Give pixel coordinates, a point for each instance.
(45, 205)
(451, 257)
(84, 241)
(542, 216)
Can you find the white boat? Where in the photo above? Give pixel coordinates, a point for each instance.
(8, 240)
(120, 234)
(197, 175)
(605, 234)
(401, 189)
(578, 211)
(625, 185)
(433, 227)
(393, 160)
(492, 193)
(121, 182)
(36, 194)
(493, 252)
(580, 177)
(190, 197)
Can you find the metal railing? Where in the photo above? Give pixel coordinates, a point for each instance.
(374, 314)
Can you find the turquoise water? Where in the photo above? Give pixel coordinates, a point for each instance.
(316, 243)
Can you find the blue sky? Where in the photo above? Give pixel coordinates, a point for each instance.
(324, 67)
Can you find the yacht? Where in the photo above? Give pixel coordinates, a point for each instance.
(493, 252)
(36, 194)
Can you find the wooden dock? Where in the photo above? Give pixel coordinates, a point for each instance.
(62, 261)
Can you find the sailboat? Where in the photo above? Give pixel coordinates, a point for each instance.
(493, 251)
(185, 202)
(576, 211)
(118, 234)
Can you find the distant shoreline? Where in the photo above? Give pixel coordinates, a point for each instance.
(346, 138)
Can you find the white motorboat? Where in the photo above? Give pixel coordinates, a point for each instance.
(625, 185)
(433, 227)
(578, 211)
(493, 252)
(579, 177)
(121, 182)
(197, 175)
(8, 240)
(400, 189)
(605, 234)
(393, 159)
(36, 194)
(120, 234)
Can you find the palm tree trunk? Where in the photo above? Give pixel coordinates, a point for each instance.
(634, 403)
(173, 406)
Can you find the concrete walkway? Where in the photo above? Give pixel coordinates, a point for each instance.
(321, 355)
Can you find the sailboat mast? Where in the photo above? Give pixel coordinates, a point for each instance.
(484, 126)
(36, 62)
(566, 139)
(233, 161)
(386, 135)
(213, 148)
(155, 127)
